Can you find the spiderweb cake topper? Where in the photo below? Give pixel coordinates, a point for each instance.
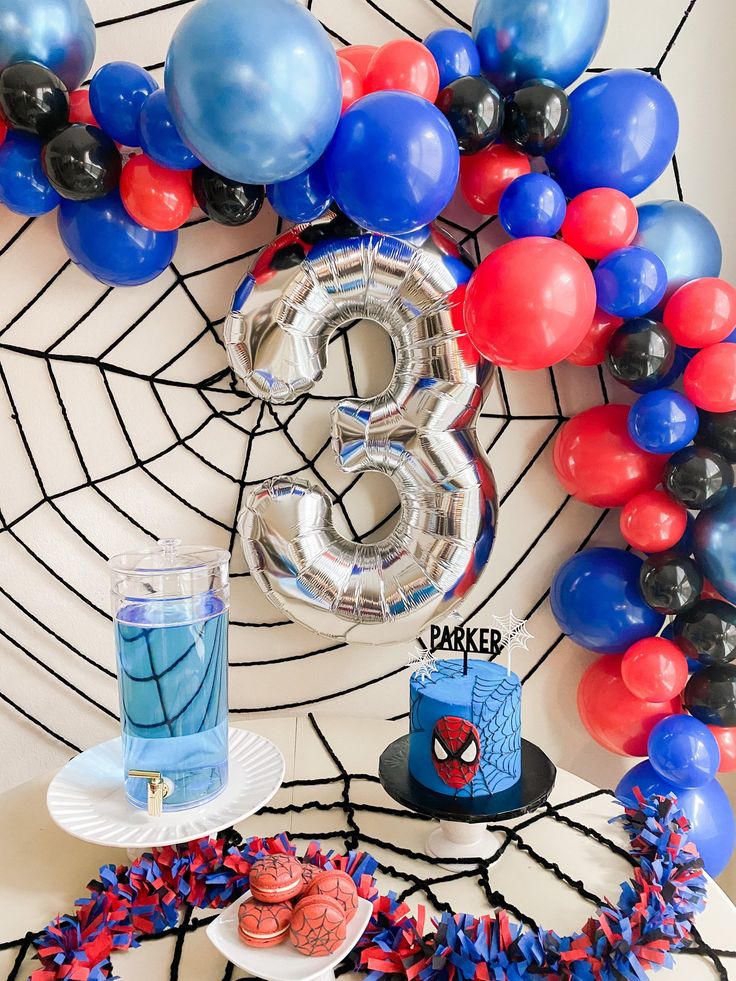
(514, 634)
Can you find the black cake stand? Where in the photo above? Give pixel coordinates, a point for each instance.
(462, 831)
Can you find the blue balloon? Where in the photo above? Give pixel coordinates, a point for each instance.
(59, 34)
(116, 96)
(455, 53)
(24, 187)
(523, 39)
(254, 87)
(630, 282)
(715, 545)
(102, 238)
(532, 205)
(663, 421)
(683, 238)
(394, 162)
(622, 133)
(684, 751)
(304, 197)
(712, 826)
(597, 602)
(159, 136)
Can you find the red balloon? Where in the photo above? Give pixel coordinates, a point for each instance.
(530, 303)
(597, 461)
(710, 592)
(710, 378)
(615, 718)
(654, 669)
(404, 64)
(653, 521)
(599, 221)
(701, 312)
(352, 83)
(155, 196)
(359, 56)
(79, 108)
(726, 739)
(592, 349)
(3, 132)
(484, 176)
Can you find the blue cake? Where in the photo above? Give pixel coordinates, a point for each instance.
(465, 730)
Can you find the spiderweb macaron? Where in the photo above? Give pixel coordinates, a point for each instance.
(263, 924)
(318, 926)
(276, 878)
(338, 885)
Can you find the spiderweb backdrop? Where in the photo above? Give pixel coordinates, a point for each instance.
(120, 423)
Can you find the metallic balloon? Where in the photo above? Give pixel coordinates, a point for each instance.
(420, 431)
(698, 477)
(710, 695)
(474, 109)
(537, 117)
(715, 533)
(225, 201)
(523, 39)
(707, 633)
(670, 582)
(33, 99)
(640, 354)
(718, 431)
(59, 34)
(81, 163)
(683, 238)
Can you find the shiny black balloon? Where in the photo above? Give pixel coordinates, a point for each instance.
(718, 431)
(641, 354)
(707, 633)
(33, 99)
(537, 117)
(698, 477)
(226, 201)
(710, 695)
(474, 109)
(82, 163)
(670, 582)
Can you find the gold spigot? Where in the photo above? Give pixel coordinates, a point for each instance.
(157, 790)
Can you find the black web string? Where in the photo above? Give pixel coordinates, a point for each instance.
(341, 821)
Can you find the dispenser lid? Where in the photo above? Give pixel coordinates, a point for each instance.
(170, 568)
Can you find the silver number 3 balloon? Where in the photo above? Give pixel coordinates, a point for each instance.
(421, 431)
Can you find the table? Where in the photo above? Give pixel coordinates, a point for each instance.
(331, 790)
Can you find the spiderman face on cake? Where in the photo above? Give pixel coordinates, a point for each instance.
(455, 751)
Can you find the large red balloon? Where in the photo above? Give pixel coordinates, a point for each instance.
(701, 312)
(615, 718)
(597, 461)
(710, 378)
(359, 55)
(599, 221)
(530, 303)
(726, 739)
(653, 521)
(79, 108)
(484, 176)
(654, 669)
(404, 64)
(352, 83)
(592, 349)
(155, 196)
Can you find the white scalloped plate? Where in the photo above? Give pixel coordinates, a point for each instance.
(87, 799)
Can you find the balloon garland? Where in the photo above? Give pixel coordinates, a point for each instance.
(652, 920)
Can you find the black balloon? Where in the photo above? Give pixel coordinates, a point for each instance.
(537, 116)
(670, 582)
(718, 431)
(475, 111)
(226, 201)
(698, 477)
(33, 99)
(710, 695)
(82, 163)
(641, 354)
(707, 633)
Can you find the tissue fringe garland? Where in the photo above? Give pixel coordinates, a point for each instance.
(622, 943)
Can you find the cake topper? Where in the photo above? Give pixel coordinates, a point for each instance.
(508, 632)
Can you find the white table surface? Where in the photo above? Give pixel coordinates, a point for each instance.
(43, 870)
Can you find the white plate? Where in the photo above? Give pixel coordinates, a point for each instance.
(87, 797)
(282, 963)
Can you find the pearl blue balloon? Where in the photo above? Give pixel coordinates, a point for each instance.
(597, 602)
(663, 421)
(102, 238)
(630, 282)
(24, 187)
(715, 545)
(254, 87)
(712, 826)
(159, 136)
(304, 197)
(394, 162)
(532, 205)
(455, 53)
(683, 238)
(622, 134)
(116, 96)
(59, 34)
(523, 39)
(684, 751)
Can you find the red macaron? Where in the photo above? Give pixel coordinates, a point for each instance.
(308, 873)
(276, 878)
(318, 926)
(337, 885)
(263, 924)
